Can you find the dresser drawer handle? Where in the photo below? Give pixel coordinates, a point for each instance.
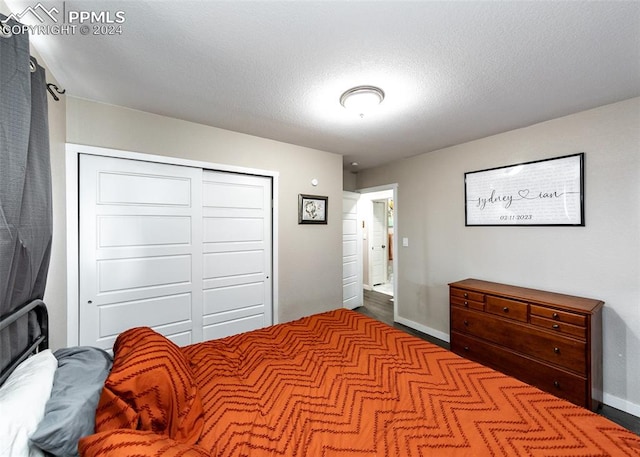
(505, 309)
(466, 303)
(555, 326)
(466, 348)
(556, 384)
(466, 322)
(555, 315)
(556, 350)
(466, 295)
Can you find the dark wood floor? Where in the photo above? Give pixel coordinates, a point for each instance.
(380, 307)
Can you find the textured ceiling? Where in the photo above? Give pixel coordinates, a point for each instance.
(452, 71)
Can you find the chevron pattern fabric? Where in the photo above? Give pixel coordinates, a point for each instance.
(342, 384)
(136, 443)
(151, 388)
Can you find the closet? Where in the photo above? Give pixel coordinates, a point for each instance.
(182, 249)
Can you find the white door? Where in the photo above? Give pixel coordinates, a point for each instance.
(378, 244)
(140, 249)
(352, 295)
(184, 251)
(237, 253)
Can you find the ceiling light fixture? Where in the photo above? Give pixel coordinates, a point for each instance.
(362, 99)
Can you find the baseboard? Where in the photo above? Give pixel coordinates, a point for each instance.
(621, 404)
(423, 328)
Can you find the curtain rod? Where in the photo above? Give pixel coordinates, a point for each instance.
(50, 86)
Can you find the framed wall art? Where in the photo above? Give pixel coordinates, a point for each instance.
(543, 192)
(312, 209)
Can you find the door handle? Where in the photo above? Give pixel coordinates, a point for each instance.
(383, 246)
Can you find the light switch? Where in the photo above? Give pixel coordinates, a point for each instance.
(405, 242)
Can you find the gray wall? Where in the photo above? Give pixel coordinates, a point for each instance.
(600, 260)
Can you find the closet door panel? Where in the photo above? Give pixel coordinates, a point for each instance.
(237, 253)
(152, 312)
(233, 230)
(154, 190)
(232, 325)
(119, 275)
(220, 299)
(222, 191)
(140, 249)
(143, 231)
(183, 250)
(239, 263)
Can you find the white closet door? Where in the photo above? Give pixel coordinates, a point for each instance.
(140, 249)
(237, 253)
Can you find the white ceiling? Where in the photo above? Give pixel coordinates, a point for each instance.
(452, 71)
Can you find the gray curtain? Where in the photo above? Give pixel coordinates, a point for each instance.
(25, 188)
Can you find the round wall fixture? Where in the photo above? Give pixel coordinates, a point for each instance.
(362, 99)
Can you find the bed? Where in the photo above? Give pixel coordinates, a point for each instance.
(332, 384)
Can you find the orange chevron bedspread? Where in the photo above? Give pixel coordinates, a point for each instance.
(333, 384)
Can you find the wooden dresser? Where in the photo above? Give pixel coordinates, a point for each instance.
(552, 341)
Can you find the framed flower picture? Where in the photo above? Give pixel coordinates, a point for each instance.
(312, 209)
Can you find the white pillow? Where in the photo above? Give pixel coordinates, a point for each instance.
(23, 397)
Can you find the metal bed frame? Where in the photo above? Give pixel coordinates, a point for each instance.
(40, 343)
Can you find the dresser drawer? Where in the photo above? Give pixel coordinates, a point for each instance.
(550, 379)
(560, 327)
(563, 351)
(557, 315)
(467, 303)
(466, 294)
(510, 309)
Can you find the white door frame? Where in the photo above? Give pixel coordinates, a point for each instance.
(72, 156)
(394, 188)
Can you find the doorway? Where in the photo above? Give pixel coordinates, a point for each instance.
(377, 209)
